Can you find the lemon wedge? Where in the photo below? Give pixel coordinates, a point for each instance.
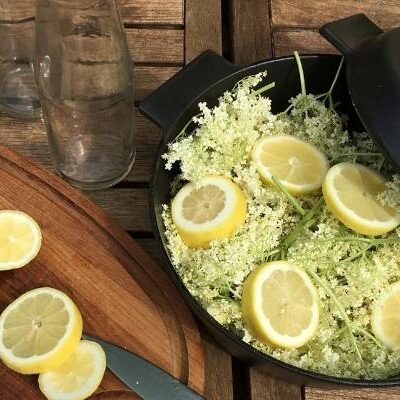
(280, 305)
(78, 377)
(350, 192)
(214, 210)
(385, 318)
(39, 331)
(298, 165)
(20, 239)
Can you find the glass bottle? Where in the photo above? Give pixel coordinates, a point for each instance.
(83, 70)
(18, 94)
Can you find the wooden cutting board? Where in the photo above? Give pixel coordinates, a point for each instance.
(123, 295)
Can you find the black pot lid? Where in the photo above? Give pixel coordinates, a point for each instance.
(373, 76)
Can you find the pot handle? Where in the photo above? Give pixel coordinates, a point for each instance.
(167, 103)
(349, 33)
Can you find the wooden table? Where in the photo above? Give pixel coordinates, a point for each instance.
(164, 35)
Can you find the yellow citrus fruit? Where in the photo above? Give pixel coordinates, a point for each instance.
(78, 377)
(39, 331)
(20, 239)
(350, 192)
(298, 165)
(385, 318)
(280, 305)
(214, 210)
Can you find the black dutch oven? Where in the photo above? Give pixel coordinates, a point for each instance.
(173, 105)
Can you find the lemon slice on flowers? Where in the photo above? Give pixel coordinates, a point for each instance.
(20, 239)
(79, 377)
(39, 331)
(280, 305)
(385, 318)
(213, 210)
(298, 165)
(350, 192)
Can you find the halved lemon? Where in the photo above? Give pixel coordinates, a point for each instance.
(280, 304)
(20, 239)
(39, 331)
(297, 164)
(79, 377)
(214, 210)
(385, 318)
(350, 192)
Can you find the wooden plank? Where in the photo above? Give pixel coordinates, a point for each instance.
(304, 41)
(251, 33)
(129, 207)
(17, 10)
(30, 139)
(147, 79)
(203, 27)
(152, 11)
(218, 379)
(347, 394)
(156, 45)
(263, 387)
(155, 12)
(315, 13)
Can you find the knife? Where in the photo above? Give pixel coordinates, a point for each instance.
(144, 378)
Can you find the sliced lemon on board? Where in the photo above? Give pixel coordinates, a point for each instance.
(298, 165)
(77, 378)
(214, 210)
(385, 318)
(350, 192)
(20, 239)
(280, 305)
(39, 331)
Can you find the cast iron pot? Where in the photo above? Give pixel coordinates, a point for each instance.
(172, 106)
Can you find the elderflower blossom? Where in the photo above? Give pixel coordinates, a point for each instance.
(357, 272)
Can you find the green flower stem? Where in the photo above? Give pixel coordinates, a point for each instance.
(359, 254)
(342, 312)
(362, 240)
(372, 337)
(183, 131)
(295, 203)
(262, 89)
(301, 73)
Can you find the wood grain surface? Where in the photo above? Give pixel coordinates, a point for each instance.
(123, 295)
(251, 42)
(315, 13)
(203, 28)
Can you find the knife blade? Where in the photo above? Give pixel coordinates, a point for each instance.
(141, 376)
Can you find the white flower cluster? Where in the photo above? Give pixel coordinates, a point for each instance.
(357, 271)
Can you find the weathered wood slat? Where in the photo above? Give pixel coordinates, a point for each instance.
(162, 12)
(152, 11)
(156, 45)
(263, 387)
(313, 14)
(129, 207)
(30, 140)
(304, 41)
(203, 27)
(147, 79)
(348, 394)
(251, 32)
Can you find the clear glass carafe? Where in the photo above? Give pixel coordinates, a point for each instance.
(18, 94)
(83, 70)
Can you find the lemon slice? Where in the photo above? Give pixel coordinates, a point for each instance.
(350, 192)
(79, 377)
(212, 211)
(280, 305)
(385, 318)
(20, 239)
(298, 165)
(39, 330)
